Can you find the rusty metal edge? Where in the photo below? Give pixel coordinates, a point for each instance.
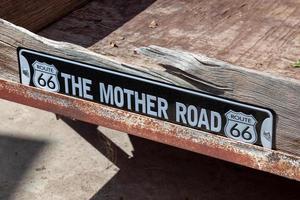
(272, 161)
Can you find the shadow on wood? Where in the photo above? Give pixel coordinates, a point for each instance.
(93, 22)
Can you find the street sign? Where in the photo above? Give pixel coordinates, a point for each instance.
(194, 109)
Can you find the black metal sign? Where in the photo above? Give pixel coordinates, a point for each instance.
(194, 109)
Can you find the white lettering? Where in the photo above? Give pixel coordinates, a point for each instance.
(139, 102)
(106, 96)
(203, 119)
(119, 97)
(86, 83)
(76, 85)
(180, 112)
(192, 115)
(215, 121)
(66, 77)
(150, 105)
(129, 94)
(162, 107)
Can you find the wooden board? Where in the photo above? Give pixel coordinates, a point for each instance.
(180, 68)
(35, 15)
(274, 85)
(256, 157)
(260, 35)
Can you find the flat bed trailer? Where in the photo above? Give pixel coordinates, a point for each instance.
(241, 53)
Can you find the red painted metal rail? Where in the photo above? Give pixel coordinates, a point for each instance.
(256, 157)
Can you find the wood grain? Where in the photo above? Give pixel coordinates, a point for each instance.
(262, 35)
(278, 93)
(35, 15)
(180, 68)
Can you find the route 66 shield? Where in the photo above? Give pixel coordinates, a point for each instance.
(45, 76)
(241, 127)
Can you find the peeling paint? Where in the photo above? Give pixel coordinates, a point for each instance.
(256, 157)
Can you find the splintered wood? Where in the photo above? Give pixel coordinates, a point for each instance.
(242, 50)
(264, 36)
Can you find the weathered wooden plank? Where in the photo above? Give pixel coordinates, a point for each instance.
(12, 36)
(35, 15)
(180, 68)
(217, 77)
(261, 35)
